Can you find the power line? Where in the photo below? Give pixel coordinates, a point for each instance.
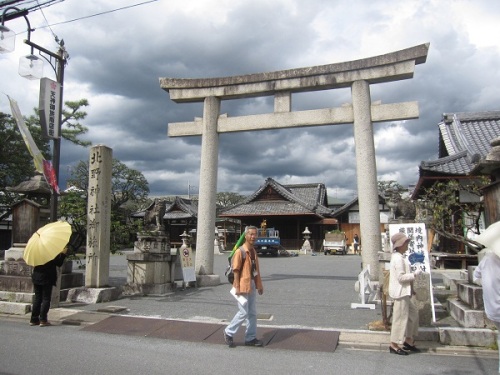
(17, 4)
(99, 14)
(47, 22)
(25, 4)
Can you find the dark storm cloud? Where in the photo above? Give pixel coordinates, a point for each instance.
(117, 59)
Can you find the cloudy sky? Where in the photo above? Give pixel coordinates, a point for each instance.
(117, 58)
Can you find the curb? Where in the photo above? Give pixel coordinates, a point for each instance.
(428, 341)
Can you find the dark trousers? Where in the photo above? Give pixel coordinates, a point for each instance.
(41, 303)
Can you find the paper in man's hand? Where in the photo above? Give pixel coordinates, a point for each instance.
(241, 299)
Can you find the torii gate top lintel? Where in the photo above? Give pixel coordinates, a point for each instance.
(383, 68)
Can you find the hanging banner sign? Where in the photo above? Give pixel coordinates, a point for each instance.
(41, 165)
(50, 98)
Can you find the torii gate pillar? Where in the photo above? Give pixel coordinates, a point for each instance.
(358, 75)
(366, 172)
(204, 262)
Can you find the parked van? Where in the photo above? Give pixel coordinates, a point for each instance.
(334, 243)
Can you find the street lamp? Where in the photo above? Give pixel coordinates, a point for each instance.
(31, 67)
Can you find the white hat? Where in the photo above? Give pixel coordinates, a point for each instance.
(398, 240)
(491, 238)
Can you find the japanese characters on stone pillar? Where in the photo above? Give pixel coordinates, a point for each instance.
(98, 217)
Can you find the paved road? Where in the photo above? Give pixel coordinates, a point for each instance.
(304, 291)
(64, 349)
(312, 291)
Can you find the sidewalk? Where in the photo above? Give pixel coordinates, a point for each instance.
(303, 292)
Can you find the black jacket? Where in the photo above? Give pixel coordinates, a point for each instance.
(46, 274)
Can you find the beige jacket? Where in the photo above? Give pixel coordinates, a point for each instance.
(401, 278)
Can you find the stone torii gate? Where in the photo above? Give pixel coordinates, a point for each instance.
(358, 75)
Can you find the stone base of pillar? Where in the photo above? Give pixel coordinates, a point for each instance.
(93, 295)
(15, 276)
(207, 280)
(15, 252)
(151, 267)
(131, 289)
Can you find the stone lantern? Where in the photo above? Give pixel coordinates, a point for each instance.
(186, 238)
(306, 246)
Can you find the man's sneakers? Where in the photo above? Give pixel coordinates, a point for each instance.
(228, 340)
(254, 342)
(45, 324)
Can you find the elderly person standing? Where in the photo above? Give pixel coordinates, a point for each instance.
(487, 274)
(405, 313)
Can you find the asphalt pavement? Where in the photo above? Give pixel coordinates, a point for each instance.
(65, 349)
(310, 292)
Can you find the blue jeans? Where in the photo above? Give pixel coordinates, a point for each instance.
(246, 313)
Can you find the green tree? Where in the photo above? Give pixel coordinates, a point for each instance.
(449, 215)
(72, 206)
(16, 163)
(389, 186)
(227, 199)
(71, 129)
(129, 189)
(393, 192)
(127, 184)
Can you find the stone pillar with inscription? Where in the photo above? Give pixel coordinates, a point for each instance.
(99, 217)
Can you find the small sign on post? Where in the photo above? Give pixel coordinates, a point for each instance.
(50, 98)
(187, 264)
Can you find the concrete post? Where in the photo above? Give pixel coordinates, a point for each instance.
(98, 217)
(366, 170)
(204, 263)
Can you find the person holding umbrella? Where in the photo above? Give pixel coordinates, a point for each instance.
(45, 251)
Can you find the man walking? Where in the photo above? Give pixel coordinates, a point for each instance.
(247, 282)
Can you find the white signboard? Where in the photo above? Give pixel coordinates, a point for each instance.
(417, 253)
(187, 263)
(50, 98)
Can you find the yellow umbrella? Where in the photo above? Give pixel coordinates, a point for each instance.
(46, 243)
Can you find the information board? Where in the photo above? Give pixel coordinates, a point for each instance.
(417, 253)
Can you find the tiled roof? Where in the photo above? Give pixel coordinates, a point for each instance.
(347, 207)
(304, 199)
(458, 164)
(464, 139)
(464, 142)
(180, 208)
(35, 185)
